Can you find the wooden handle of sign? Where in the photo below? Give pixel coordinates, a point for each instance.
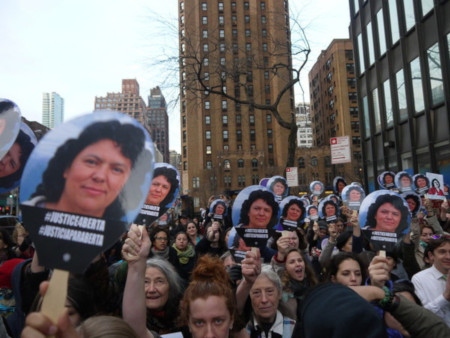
(355, 213)
(382, 253)
(54, 301)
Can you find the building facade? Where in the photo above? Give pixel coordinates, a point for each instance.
(334, 113)
(128, 101)
(158, 122)
(304, 125)
(228, 50)
(402, 67)
(52, 109)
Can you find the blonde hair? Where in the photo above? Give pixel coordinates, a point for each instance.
(106, 327)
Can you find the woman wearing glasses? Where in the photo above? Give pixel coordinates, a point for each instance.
(161, 247)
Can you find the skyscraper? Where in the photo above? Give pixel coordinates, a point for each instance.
(402, 69)
(52, 109)
(229, 53)
(158, 121)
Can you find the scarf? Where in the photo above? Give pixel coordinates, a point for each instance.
(162, 254)
(183, 256)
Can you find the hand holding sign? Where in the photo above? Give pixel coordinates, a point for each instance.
(80, 195)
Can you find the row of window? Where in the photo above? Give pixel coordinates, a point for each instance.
(227, 181)
(220, 5)
(225, 135)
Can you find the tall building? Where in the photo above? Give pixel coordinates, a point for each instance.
(232, 47)
(158, 122)
(52, 109)
(128, 101)
(334, 109)
(402, 68)
(304, 125)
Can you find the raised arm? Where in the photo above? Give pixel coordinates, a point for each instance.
(135, 251)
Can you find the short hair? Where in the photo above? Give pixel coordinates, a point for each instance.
(222, 203)
(349, 189)
(267, 197)
(421, 176)
(396, 202)
(279, 180)
(171, 176)
(387, 174)
(296, 202)
(416, 200)
(272, 276)
(405, 175)
(336, 261)
(329, 202)
(156, 230)
(433, 244)
(130, 139)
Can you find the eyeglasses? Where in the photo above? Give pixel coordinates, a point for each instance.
(161, 238)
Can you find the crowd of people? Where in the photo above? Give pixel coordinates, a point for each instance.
(185, 276)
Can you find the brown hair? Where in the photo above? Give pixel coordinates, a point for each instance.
(209, 278)
(309, 272)
(106, 326)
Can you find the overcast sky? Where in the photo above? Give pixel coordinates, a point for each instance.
(84, 48)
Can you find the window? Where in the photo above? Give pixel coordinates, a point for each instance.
(314, 161)
(208, 150)
(240, 163)
(207, 119)
(204, 6)
(233, 6)
(221, 20)
(222, 47)
(248, 47)
(205, 47)
(267, 89)
(255, 179)
(208, 165)
(264, 47)
(263, 19)
(204, 20)
(184, 151)
(184, 135)
(246, 5)
(224, 120)
(207, 104)
(416, 76)
(254, 163)
(247, 33)
(220, 6)
(268, 118)
(227, 164)
(208, 134)
(224, 104)
(327, 161)
(227, 181)
(252, 135)
(264, 33)
(185, 166)
(238, 119)
(222, 61)
(435, 69)
(234, 33)
(247, 19)
(251, 119)
(205, 62)
(195, 182)
(241, 180)
(301, 162)
(266, 75)
(269, 133)
(356, 140)
(263, 5)
(239, 135)
(204, 34)
(221, 33)
(270, 148)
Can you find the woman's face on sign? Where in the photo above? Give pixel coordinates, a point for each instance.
(278, 188)
(387, 217)
(355, 195)
(94, 179)
(158, 191)
(259, 214)
(294, 212)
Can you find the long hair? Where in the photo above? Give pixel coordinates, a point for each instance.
(128, 137)
(209, 278)
(396, 202)
(267, 197)
(333, 265)
(310, 275)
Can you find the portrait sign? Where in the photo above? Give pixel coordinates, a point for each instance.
(14, 161)
(10, 118)
(254, 214)
(312, 212)
(316, 188)
(384, 217)
(386, 180)
(293, 213)
(352, 196)
(163, 194)
(328, 210)
(421, 184)
(83, 185)
(278, 185)
(338, 184)
(404, 181)
(436, 190)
